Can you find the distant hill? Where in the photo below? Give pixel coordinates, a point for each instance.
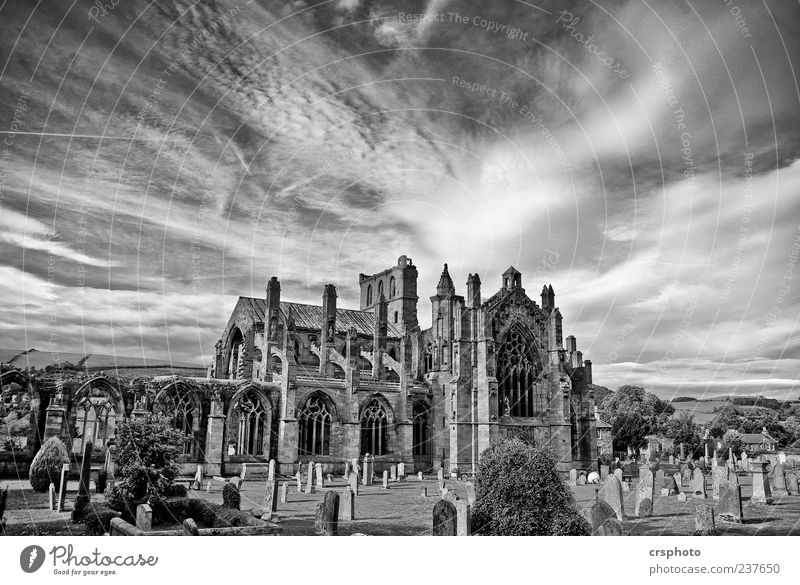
(33, 358)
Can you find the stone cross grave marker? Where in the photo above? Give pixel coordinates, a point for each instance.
(445, 519)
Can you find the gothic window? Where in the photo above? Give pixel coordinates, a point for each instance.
(95, 421)
(395, 316)
(428, 358)
(380, 291)
(373, 429)
(392, 287)
(444, 353)
(573, 424)
(250, 423)
(420, 429)
(369, 294)
(517, 377)
(314, 427)
(177, 405)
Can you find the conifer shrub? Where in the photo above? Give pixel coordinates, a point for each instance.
(46, 465)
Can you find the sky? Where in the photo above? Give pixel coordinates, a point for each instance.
(642, 157)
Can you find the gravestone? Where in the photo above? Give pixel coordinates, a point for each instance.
(385, 479)
(604, 471)
(329, 525)
(198, 477)
(346, 473)
(353, 482)
(717, 475)
(611, 527)
(618, 474)
(310, 479)
(401, 471)
(779, 480)
(686, 476)
(284, 492)
(271, 473)
(791, 483)
(704, 521)
(419, 476)
(646, 477)
(599, 513)
(682, 497)
(423, 492)
(369, 469)
(190, 528)
(231, 498)
(761, 490)
(440, 474)
(355, 466)
(678, 480)
(270, 499)
(299, 479)
(445, 519)
(52, 493)
(626, 486)
(463, 523)
(144, 517)
(348, 504)
(644, 500)
(673, 489)
(698, 484)
(318, 469)
(83, 498)
(393, 473)
(443, 491)
(672, 460)
(782, 458)
(660, 480)
(729, 508)
(611, 493)
(573, 476)
(582, 478)
(62, 487)
(470, 493)
(328, 478)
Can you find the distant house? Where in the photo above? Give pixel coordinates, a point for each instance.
(759, 441)
(604, 437)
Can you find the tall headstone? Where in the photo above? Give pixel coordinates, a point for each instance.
(470, 493)
(353, 482)
(369, 469)
(791, 483)
(672, 460)
(270, 499)
(599, 513)
(144, 517)
(348, 504)
(318, 469)
(604, 471)
(779, 480)
(284, 492)
(271, 475)
(330, 514)
(445, 519)
(299, 479)
(646, 477)
(53, 498)
(419, 476)
(385, 479)
(698, 484)
(346, 473)
(611, 493)
(660, 481)
(618, 474)
(729, 508)
(718, 474)
(310, 479)
(673, 489)
(198, 477)
(463, 523)
(678, 480)
(393, 473)
(704, 520)
(440, 474)
(644, 500)
(401, 471)
(761, 490)
(573, 476)
(62, 487)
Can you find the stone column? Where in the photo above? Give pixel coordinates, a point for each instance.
(215, 435)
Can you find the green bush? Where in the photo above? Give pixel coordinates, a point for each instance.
(147, 452)
(519, 492)
(46, 465)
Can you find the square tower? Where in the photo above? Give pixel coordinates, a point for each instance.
(399, 286)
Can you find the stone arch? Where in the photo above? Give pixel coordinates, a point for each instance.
(375, 417)
(96, 409)
(316, 417)
(179, 401)
(519, 371)
(421, 420)
(233, 350)
(249, 422)
(37, 415)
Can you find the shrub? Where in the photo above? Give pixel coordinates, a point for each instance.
(147, 450)
(519, 492)
(46, 465)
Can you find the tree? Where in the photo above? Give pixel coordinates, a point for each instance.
(147, 452)
(519, 492)
(732, 440)
(634, 414)
(681, 428)
(46, 465)
(727, 418)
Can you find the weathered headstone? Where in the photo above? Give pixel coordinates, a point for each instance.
(270, 499)
(660, 481)
(419, 476)
(673, 489)
(271, 472)
(385, 479)
(704, 520)
(779, 480)
(717, 475)
(730, 502)
(284, 492)
(346, 473)
(445, 519)
(604, 471)
(682, 497)
(791, 483)
(698, 484)
(644, 500)
(582, 478)
(328, 479)
(678, 480)
(573, 476)
(369, 469)
(393, 473)
(450, 495)
(611, 493)
(190, 528)
(401, 471)
(470, 493)
(672, 460)
(618, 474)
(646, 477)
(353, 482)
(198, 477)
(318, 469)
(231, 498)
(626, 486)
(299, 479)
(463, 522)
(599, 513)
(761, 490)
(686, 476)
(52, 494)
(62, 487)
(144, 517)
(330, 514)
(348, 504)
(611, 527)
(310, 479)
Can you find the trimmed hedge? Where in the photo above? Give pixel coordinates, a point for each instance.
(46, 465)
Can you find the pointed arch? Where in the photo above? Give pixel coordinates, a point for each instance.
(97, 408)
(519, 369)
(315, 420)
(250, 422)
(178, 401)
(375, 419)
